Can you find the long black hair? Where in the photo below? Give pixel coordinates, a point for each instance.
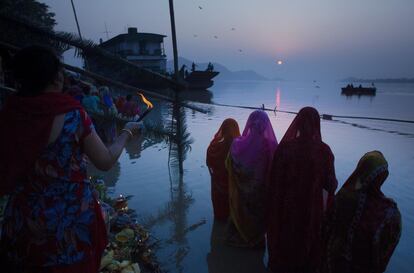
(35, 67)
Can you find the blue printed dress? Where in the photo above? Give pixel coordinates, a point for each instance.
(54, 219)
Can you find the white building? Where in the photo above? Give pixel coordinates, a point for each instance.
(144, 49)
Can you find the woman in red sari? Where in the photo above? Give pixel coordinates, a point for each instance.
(364, 226)
(217, 153)
(302, 177)
(52, 222)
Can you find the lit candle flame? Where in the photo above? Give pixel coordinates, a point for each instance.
(147, 102)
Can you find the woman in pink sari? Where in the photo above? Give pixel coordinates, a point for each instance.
(248, 165)
(302, 183)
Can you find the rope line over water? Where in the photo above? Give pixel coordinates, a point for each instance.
(323, 116)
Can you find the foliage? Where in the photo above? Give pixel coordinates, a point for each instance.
(106, 63)
(180, 143)
(34, 14)
(30, 10)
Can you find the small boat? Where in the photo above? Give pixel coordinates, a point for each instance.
(350, 90)
(200, 80)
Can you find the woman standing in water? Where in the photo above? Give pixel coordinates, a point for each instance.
(217, 153)
(302, 184)
(364, 226)
(248, 165)
(52, 222)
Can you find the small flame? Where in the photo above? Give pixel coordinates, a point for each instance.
(147, 102)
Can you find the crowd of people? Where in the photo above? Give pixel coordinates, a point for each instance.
(283, 195)
(277, 194)
(100, 101)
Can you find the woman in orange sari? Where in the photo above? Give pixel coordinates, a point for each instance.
(217, 153)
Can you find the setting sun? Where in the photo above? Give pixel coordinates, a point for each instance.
(280, 62)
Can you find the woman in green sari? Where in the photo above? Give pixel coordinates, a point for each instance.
(364, 226)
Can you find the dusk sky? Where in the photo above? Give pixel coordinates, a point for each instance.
(316, 39)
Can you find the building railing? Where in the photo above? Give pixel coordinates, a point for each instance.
(129, 52)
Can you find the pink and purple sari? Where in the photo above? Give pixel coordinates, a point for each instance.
(248, 165)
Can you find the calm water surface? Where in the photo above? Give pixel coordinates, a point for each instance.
(178, 208)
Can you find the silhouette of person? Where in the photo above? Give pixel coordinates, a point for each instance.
(193, 66)
(182, 70)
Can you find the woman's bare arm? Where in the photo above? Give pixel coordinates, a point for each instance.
(105, 157)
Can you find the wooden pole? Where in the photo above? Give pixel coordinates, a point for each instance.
(79, 31)
(76, 19)
(174, 40)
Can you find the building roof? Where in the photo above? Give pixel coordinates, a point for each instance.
(133, 36)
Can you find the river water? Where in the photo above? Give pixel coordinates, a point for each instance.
(177, 208)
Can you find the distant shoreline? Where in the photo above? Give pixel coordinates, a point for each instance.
(391, 80)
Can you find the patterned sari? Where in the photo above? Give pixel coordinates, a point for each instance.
(217, 153)
(52, 222)
(248, 165)
(364, 226)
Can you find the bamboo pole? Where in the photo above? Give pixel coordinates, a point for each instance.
(174, 39)
(76, 19)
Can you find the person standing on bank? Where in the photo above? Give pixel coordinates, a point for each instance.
(52, 222)
(364, 226)
(217, 153)
(301, 187)
(248, 166)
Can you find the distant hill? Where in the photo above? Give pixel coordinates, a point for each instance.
(392, 80)
(225, 73)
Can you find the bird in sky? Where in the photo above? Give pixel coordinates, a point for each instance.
(240, 50)
(233, 29)
(200, 7)
(195, 35)
(215, 37)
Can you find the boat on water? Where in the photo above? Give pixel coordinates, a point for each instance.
(200, 80)
(145, 63)
(351, 90)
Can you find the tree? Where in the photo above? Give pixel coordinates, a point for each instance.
(32, 13)
(29, 10)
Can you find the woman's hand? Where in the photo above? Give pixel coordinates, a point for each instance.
(136, 128)
(102, 157)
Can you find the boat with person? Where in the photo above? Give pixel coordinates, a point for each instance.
(200, 80)
(351, 90)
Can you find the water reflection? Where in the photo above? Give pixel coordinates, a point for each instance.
(111, 177)
(203, 96)
(175, 211)
(134, 147)
(350, 97)
(225, 259)
(278, 98)
(357, 125)
(180, 137)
